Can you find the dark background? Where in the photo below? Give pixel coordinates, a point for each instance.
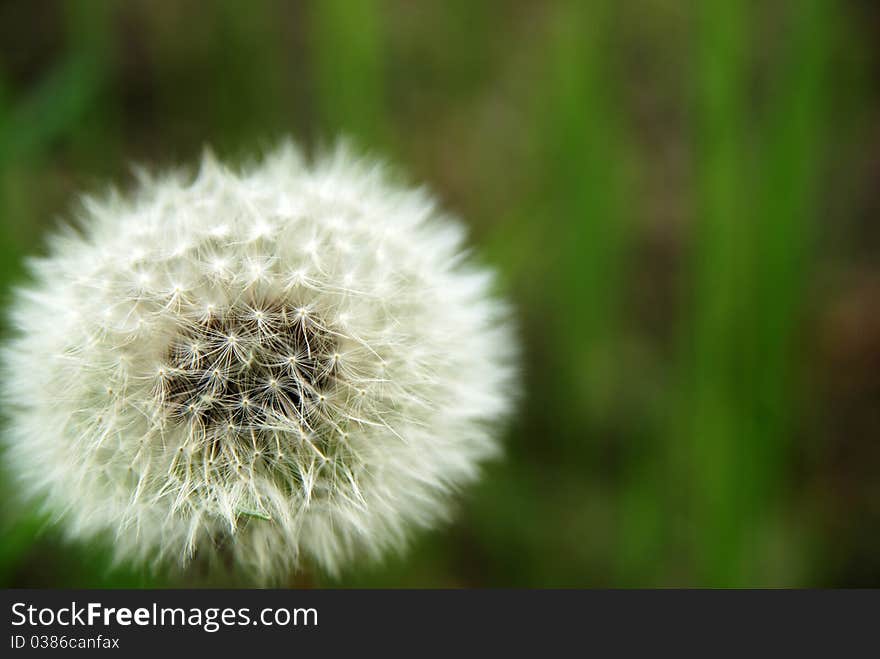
(682, 200)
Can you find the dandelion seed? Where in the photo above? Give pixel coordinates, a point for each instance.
(293, 361)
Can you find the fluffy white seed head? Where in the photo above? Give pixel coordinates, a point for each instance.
(293, 360)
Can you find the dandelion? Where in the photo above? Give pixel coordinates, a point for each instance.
(291, 362)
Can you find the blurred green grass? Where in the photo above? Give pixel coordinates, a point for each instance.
(651, 178)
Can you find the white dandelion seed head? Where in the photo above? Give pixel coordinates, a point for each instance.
(290, 361)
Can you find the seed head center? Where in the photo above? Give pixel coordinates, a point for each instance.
(249, 369)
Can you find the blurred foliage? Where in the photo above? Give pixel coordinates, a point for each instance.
(681, 198)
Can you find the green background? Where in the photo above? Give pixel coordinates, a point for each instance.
(681, 197)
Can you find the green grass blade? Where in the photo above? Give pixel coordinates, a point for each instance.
(752, 229)
(346, 46)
